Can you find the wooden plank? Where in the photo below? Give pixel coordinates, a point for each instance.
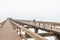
(43, 34)
(7, 32)
(32, 34)
(46, 34)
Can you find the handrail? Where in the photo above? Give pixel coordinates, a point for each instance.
(32, 34)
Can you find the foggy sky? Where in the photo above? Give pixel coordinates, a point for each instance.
(46, 10)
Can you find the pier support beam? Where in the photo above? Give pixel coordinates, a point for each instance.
(57, 36)
(36, 30)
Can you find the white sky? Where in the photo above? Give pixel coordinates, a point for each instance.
(47, 10)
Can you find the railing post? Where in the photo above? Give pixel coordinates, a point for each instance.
(39, 24)
(51, 28)
(54, 26)
(58, 36)
(44, 25)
